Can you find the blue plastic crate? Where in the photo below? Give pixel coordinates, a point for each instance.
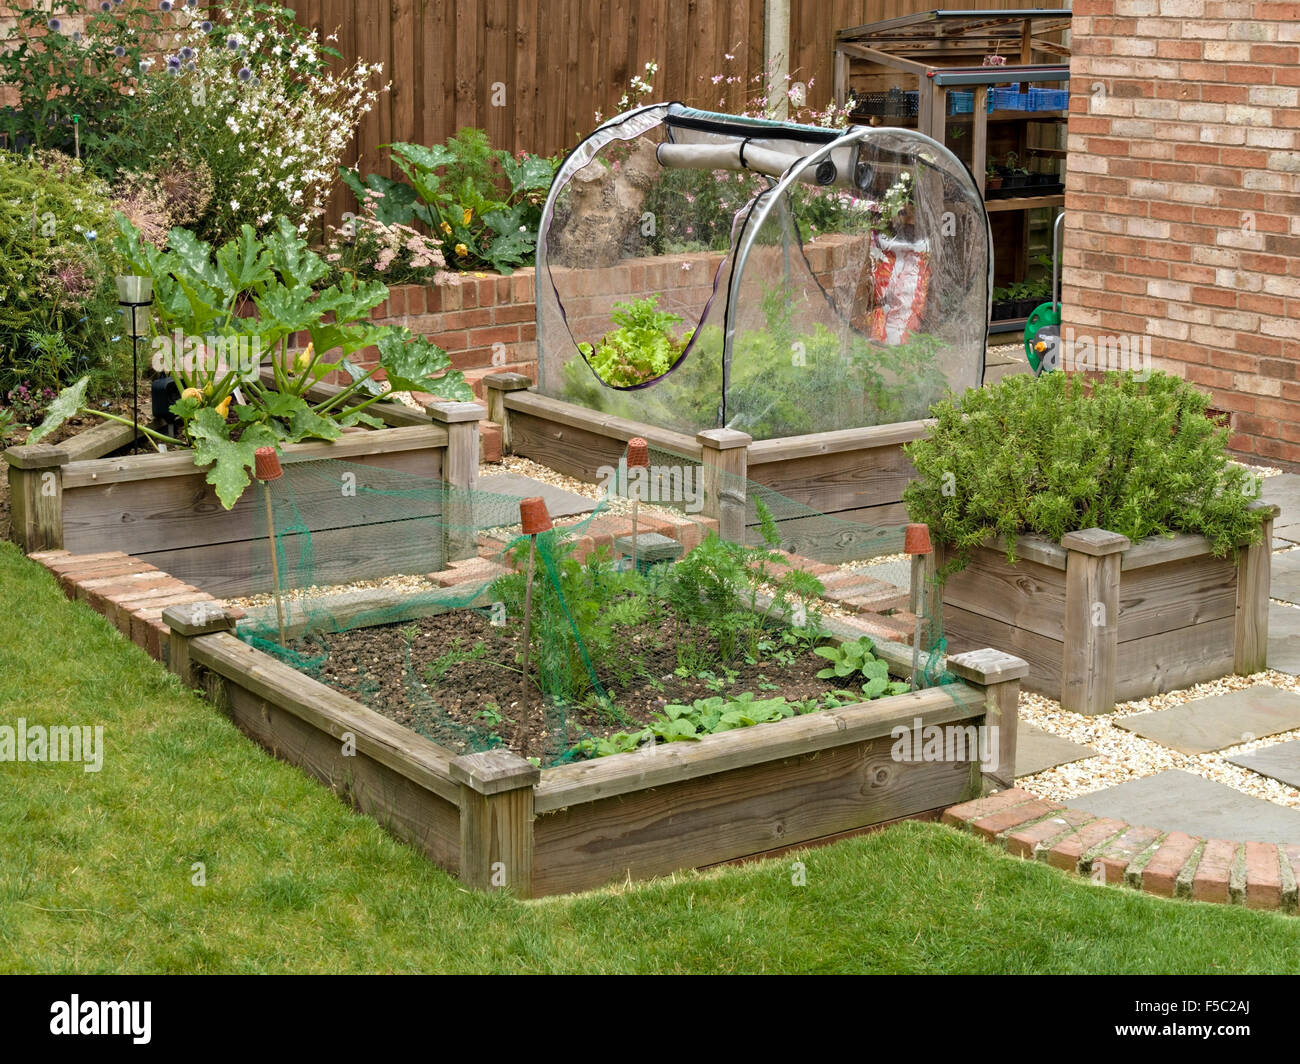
(1008, 99)
(961, 103)
(1048, 99)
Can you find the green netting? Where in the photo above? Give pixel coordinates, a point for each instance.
(699, 635)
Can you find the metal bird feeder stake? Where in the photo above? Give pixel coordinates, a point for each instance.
(266, 469)
(134, 295)
(534, 519)
(638, 457)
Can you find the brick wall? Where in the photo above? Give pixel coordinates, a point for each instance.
(469, 319)
(1183, 200)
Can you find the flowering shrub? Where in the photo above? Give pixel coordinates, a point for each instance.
(27, 402)
(252, 95)
(369, 248)
(56, 273)
(75, 58)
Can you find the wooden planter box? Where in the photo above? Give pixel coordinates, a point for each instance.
(160, 508)
(500, 823)
(854, 476)
(1100, 620)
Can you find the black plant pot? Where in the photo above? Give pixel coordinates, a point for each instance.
(1014, 181)
(1004, 309)
(163, 392)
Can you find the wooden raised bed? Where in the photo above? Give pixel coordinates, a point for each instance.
(159, 507)
(1100, 620)
(855, 476)
(501, 823)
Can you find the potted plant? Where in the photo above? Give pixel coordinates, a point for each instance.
(1017, 176)
(992, 177)
(1097, 524)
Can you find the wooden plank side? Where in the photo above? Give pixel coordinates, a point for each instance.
(1171, 660)
(407, 810)
(738, 813)
(400, 749)
(658, 766)
(971, 631)
(1175, 595)
(338, 556)
(347, 447)
(840, 481)
(95, 442)
(172, 513)
(848, 536)
(572, 451)
(622, 429)
(1027, 595)
(814, 444)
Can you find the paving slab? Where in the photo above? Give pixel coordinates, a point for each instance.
(1038, 750)
(559, 503)
(1182, 801)
(1284, 639)
(1280, 762)
(1284, 582)
(897, 573)
(1212, 723)
(1284, 491)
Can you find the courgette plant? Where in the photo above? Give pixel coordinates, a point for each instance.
(219, 316)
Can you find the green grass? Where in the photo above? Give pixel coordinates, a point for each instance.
(95, 869)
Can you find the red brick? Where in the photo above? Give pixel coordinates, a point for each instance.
(489, 433)
(995, 823)
(1213, 871)
(960, 815)
(1066, 854)
(1029, 842)
(69, 581)
(1263, 876)
(1160, 875)
(1115, 859)
(66, 563)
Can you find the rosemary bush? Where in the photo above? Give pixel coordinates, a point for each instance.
(1061, 453)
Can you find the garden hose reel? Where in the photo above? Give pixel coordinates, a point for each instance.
(1043, 327)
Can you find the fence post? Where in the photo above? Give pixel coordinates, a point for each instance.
(36, 496)
(999, 674)
(1091, 636)
(496, 386)
(496, 820)
(1254, 568)
(460, 474)
(189, 620)
(726, 466)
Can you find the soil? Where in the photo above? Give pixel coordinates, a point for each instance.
(120, 405)
(384, 669)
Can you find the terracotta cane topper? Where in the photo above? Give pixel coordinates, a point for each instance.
(917, 540)
(267, 464)
(638, 453)
(533, 515)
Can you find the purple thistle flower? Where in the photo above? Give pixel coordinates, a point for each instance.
(245, 74)
(105, 6)
(232, 43)
(205, 26)
(187, 52)
(173, 62)
(55, 25)
(119, 51)
(165, 5)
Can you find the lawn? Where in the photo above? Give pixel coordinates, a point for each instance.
(96, 869)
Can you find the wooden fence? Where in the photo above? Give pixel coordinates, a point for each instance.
(533, 73)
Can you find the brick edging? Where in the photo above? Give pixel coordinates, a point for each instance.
(1169, 864)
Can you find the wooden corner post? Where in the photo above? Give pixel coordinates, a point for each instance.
(189, 620)
(460, 474)
(726, 467)
(1254, 570)
(496, 820)
(36, 496)
(496, 387)
(1091, 634)
(999, 675)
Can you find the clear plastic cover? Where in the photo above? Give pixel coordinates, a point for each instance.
(699, 270)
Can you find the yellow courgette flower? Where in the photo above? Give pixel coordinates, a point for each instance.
(193, 393)
(462, 250)
(223, 407)
(469, 213)
(303, 360)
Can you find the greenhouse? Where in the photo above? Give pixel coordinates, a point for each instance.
(698, 270)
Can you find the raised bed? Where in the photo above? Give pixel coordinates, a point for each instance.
(855, 476)
(159, 507)
(501, 823)
(1101, 620)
